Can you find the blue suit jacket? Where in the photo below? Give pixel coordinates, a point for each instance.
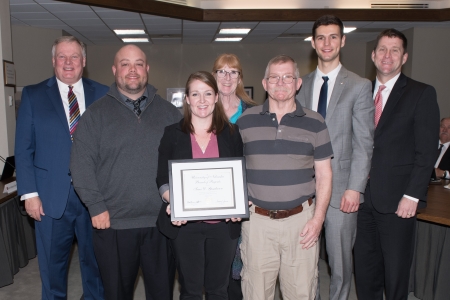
(43, 143)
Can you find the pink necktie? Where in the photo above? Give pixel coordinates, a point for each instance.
(379, 104)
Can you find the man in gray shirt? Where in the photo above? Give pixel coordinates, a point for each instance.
(113, 165)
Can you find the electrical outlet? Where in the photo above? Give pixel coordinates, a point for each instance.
(10, 100)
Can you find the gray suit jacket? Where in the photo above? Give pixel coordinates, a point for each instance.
(350, 121)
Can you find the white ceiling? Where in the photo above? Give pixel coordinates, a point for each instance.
(94, 25)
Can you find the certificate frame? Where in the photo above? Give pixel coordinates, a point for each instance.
(208, 189)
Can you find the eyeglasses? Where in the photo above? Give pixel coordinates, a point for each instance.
(286, 79)
(222, 73)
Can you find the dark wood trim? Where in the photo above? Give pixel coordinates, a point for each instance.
(225, 15)
(147, 7)
(313, 14)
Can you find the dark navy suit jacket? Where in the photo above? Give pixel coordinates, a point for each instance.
(43, 143)
(405, 140)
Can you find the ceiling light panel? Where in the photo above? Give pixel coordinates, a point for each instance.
(135, 40)
(228, 39)
(234, 31)
(129, 31)
(349, 29)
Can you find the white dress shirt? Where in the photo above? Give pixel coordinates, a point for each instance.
(64, 91)
(385, 95)
(438, 161)
(318, 82)
(387, 91)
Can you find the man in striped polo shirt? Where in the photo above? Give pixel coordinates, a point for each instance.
(288, 154)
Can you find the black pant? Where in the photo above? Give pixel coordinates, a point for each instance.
(383, 251)
(120, 253)
(235, 289)
(204, 254)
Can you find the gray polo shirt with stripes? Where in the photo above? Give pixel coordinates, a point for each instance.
(280, 157)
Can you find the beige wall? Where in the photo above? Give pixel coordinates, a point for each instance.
(170, 65)
(431, 63)
(32, 53)
(7, 111)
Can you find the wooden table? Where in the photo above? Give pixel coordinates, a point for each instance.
(430, 269)
(438, 205)
(17, 238)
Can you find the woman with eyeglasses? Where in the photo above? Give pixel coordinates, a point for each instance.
(228, 72)
(204, 250)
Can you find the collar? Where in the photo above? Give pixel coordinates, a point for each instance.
(389, 84)
(126, 99)
(445, 144)
(331, 75)
(65, 87)
(297, 112)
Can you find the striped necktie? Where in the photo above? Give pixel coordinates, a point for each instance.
(74, 111)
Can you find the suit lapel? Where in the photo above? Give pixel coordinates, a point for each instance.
(394, 97)
(89, 92)
(339, 86)
(309, 88)
(55, 97)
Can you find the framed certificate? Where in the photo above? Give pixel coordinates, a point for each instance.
(208, 189)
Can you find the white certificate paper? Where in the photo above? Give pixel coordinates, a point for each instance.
(208, 189)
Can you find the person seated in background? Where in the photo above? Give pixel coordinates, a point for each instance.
(203, 250)
(442, 165)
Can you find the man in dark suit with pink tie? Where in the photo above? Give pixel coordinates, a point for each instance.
(405, 140)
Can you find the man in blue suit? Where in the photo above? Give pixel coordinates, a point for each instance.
(48, 116)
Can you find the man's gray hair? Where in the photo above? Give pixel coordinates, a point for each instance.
(69, 39)
(281, 59)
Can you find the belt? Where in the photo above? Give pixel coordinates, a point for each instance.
(281, 214)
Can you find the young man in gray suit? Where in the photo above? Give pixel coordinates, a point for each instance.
(344, 100)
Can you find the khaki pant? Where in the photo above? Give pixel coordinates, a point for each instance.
(272, 247)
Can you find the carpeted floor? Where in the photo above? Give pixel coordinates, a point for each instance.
(27, 284)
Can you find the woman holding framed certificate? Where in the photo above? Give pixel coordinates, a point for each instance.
(204, 250)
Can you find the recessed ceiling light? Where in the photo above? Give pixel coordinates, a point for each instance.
(228, 39)
(309, 38)
(129, 31)
(135, 40)
(349, 29)
(234, 31)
